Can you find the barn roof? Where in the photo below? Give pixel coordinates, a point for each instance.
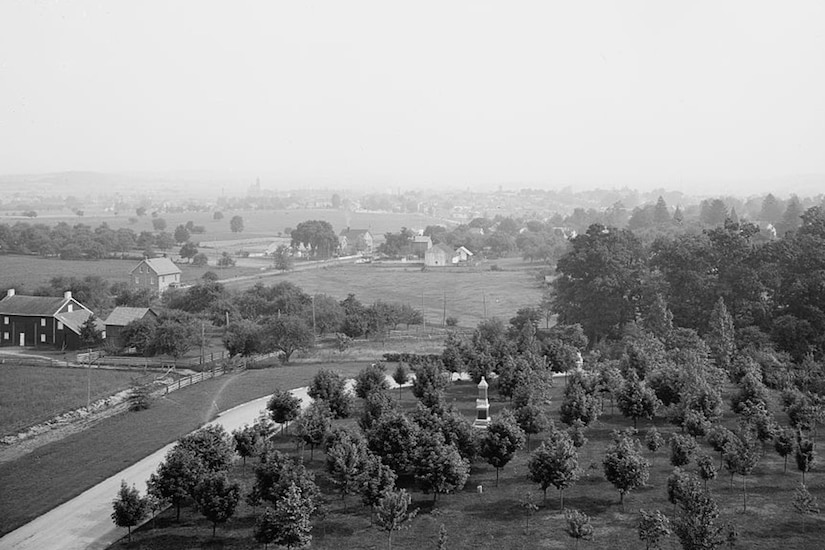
(122, 315)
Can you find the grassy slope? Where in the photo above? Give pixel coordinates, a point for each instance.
(495, 519)
(29, 395)
(57, 472)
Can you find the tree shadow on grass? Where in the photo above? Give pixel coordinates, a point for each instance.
(492, 508)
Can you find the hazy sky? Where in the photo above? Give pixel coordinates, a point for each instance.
(416, 92)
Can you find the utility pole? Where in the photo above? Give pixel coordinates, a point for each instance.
(89, 380)
(202, 342)
(444, 314)
(313, 314)
(423, 315)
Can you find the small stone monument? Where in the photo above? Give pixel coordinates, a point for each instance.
(482, 406)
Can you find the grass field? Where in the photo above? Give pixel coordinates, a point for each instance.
(495, 520)
(26, 273)
(54, 473)
(29, 395)
(467, 291)
(257, 223)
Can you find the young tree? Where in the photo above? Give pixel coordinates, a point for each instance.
(653, 527)
(283, 407)
(90, 335)
(695, 523)
(706, 469)
(501, 440)
(282, 258)
(129, 508)
(578, 526)
(741, 455)
(804, 503)
(392, 513)
(805, 455)
(189, 250)
(401, 376)
(624, 465)
(394, 438)
(246, 442)
(579, 402)
(329, 386)
(314, 424)
(682, 448)
(346, 460)
(176, 477)
(636, 400)
(217, 498)
(291, 518)
(531, 419)
(554, 463)
(439, 467)
(376, 480)
(375, 406)
(266, 527)
(718, 436)
(783, 444)
(370, 379)
(720, 337)
(654, 441)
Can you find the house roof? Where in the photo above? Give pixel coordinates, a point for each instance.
(464, 249)
(161, 266)
(443, 247)
(122, 315)
(422, 239)
(73, 320)
(43, 306)
(353, 233)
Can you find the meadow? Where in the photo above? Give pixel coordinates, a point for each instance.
(471, 294)
(30, 394)
(26, 273)
(257, 223)
(496, 519)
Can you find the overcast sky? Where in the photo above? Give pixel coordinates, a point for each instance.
(417, 93)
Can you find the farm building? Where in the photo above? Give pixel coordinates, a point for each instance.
(463, 254)
(421, 244)
(355, 240)
(439, 255)
(42, 320)
(155, 274)
(122, 316)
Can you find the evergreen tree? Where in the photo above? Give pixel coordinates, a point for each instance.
(720, 337)
(659, 319)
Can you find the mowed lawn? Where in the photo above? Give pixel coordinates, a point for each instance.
(467, 292)
(495, 519)
(55, 473)
(29, 394)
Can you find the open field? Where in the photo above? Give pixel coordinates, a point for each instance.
(26, 273)
(495, 520)
(467, 290)
(257, 223)
(29, 395)
(54, 473)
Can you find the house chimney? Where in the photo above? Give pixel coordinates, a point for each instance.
(10, 292)
(67, 295)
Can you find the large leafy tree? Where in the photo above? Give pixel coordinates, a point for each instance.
(439, 467)
(176, 477)
(330, 387)
(600, 281)
(288, 334)
(316, 235)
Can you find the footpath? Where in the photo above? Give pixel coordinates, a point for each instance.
(85, 521)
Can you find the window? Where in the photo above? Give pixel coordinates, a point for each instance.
(152, 280)
(137, 280)
(43, 322)
(5, 336)
(71, 307)
(59, 325)
(6, 320)
(43, 338)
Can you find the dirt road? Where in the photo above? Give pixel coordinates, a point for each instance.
(85, 522)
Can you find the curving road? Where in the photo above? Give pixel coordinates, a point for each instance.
(85, 522)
